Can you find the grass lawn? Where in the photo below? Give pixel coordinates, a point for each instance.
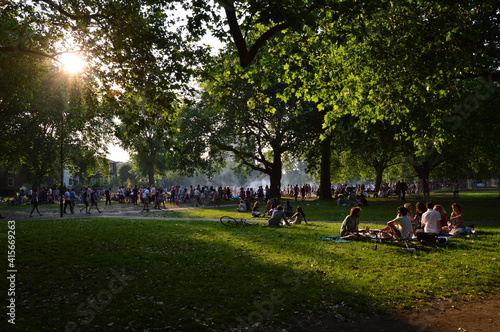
(482, 205)
(165, 275)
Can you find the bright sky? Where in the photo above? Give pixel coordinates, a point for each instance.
(116, 153)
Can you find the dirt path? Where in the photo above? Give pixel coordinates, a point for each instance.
(479, 315)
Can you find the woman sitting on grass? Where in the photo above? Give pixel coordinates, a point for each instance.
(457, 220)
(349, 229)
(299, 217)
(256, 210)
(444, 218)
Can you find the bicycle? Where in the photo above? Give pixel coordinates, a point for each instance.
(230, 221)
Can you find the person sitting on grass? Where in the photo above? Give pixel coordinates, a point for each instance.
(268, 209)
(288, 209)
(457, 220)
(349, 229)
(431, 222)
(256, 210)
(400, 227)
(299, 217)
(278, 215)
(417, 219)
(444, 218)
(242, 207)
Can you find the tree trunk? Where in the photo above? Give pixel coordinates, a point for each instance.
(275, 175)
(325, 176)
(379, 173)
(151, 173)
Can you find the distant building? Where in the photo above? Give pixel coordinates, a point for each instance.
(10, 182)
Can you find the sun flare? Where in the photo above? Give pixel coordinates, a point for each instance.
(72, 63)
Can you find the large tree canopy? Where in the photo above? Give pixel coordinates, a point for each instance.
(402, 64)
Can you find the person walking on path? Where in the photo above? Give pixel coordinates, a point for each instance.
(34, 202)
(93, 201)
(72, 200)
(85, 200)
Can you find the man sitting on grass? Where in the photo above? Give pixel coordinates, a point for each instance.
(278, 215)
(431, 222)
(400, 227)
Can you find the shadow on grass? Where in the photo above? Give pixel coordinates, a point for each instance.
(115, 275)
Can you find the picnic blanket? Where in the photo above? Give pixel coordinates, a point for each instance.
(335, 238)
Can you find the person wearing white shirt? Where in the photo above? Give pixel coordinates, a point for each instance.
(145, 199)
(431, 222)
(400, 227)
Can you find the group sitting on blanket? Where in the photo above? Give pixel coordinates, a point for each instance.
(429, 221)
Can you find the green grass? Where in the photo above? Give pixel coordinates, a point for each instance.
(202, 276)
(477, 206)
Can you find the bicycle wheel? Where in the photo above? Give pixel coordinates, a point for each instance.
(228, 221)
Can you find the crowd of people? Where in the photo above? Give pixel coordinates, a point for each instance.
(428, 221)
(422, 221)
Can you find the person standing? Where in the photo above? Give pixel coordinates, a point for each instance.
(427, 189)
(404, 189)
(145, 199)
(72, 200)
(456, 189)
(34, 201)
(107, 194)
(66, 201)
(136, 195)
